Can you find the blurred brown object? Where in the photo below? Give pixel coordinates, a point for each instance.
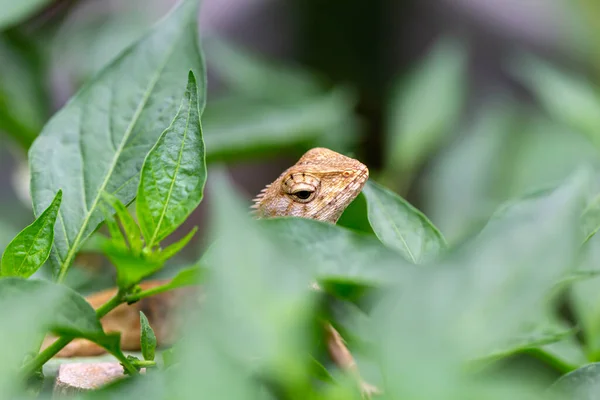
(160, 309)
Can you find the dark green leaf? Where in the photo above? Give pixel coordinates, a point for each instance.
(14, 12)
(401, 226)
(28, 251)
(98, 141)
(147, 339)
(131, 228)
(425, 106)
(581, 384)
(174, 172)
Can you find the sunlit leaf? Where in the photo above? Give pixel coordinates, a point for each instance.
(28, 251)
(174, 172)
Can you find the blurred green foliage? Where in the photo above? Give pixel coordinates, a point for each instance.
(500, 271)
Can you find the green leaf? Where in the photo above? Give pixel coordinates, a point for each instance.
(70, 314)
(14, 12)
(264, 283)
(481, 297)
(174, 172)
(98, 141)
(147, 339)
(131, 268)
(28, 251)
(131, 228)
(568, 98)
(401, 226)
(171, 250)
(425, 106)
(581, 384)
(235, 129)
(337, 254)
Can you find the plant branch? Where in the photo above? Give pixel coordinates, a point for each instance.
(62, 341)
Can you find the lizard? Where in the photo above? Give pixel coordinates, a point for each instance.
(319, 186)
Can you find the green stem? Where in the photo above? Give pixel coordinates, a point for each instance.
(132, 298)
(144, 363)
(43, 357)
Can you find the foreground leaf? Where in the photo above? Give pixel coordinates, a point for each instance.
(337, 254)
(401, 226)
(98, 141)
(581, 384)
(483, 295)
(27, 252)
(174, 172)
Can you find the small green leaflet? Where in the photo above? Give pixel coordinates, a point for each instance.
(147, 338)
(28, 251)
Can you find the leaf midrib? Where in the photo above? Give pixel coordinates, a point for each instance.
(164, 210)
(132, 124)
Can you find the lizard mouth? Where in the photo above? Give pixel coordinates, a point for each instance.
(332, 211)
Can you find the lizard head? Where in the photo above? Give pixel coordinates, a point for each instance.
(319, 186)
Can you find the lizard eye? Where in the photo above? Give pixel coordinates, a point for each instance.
(303, 194)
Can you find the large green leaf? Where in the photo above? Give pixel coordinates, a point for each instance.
(258, 301)
(28, 251)
(174, 173)
(98, 141)
(425, 106)
(401, 226)
(334, 253)
(567, 97)
(14, 12)
(581, 384)
(483, 295)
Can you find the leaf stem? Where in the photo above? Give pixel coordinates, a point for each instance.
(132, 298)
(43, 357)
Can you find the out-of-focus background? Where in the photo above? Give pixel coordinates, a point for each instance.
(458, 105)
